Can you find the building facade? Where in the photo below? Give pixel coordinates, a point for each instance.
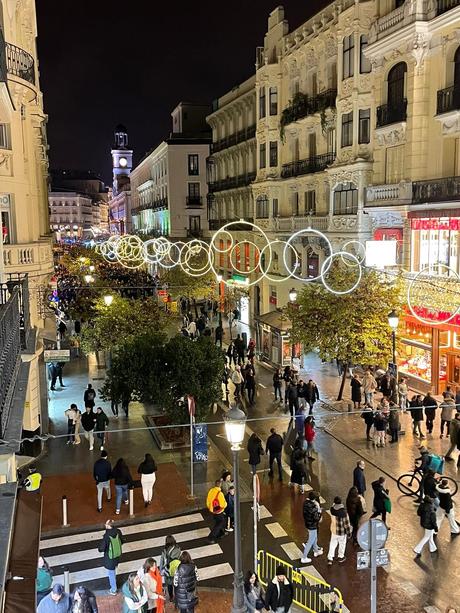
(25, 246)
(71, 214)
(119, 204)
(169, 187)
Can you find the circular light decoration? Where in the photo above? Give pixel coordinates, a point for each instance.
(194, 249)
(130, 251)
(108, 248)
(356, 248)
(432, 291)
(289, 244)
(228, 247)
(327, 264)
(256, 249)
(288, 272)
(226, 228)
(172, 258)
(155, 249)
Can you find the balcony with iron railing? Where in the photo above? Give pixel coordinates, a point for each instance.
(310, 165)
(16, 62)
(232, 182)
(160, 204)
(194, 201)
(448, 99)
(303, 105)
(444, 189)
(445, 5)
(194, 233)
(234, 139)
(388, 114)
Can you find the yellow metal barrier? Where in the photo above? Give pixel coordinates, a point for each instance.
(310, 593)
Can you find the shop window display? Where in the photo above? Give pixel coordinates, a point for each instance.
(435, 241)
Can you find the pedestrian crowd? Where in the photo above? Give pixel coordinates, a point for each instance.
(93, 421)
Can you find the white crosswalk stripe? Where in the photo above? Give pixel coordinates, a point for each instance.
(79, 552)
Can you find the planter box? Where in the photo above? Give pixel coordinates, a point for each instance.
(167, 438)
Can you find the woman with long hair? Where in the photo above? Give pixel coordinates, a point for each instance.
(355, 510)
(153, 582)
(83, 601)
(185, 581)
(147, 470)
(123, 480)
(169, 561)
(44, 579)
(254, 595)
(134, 595)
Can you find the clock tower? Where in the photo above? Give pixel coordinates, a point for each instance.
(122, 160)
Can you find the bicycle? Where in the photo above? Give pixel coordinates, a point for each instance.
(409, 483)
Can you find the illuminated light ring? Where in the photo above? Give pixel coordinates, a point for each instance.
(173, 263)
(193, 248)
(326, 265)
(284, 278)
(430, 322)
(358, 256)
(288, 243)
(227, 249)
(130, 251)
(224, 229)
(156, 256)
(251, 270)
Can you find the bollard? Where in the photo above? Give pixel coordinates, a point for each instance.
(131, 502)
(350, 407)
(66, 581)
(64, 512)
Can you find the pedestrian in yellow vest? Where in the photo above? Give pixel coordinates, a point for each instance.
(33, 481)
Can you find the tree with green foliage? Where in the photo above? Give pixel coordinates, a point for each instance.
(124, 319)
(150, 368)
(351, 328)
(182, 284)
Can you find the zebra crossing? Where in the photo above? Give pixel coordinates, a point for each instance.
(79, 552)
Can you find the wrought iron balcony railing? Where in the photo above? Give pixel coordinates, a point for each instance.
(194, 233)
(232, 182)
(448, 99)
(159, 204)
(436, 190)
(388, 114)
(194, 201)
(446, 5)
(233, 139)
(303, 105)
(313, 164)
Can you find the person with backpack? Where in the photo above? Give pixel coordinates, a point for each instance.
(169, 561)
(135, 596)
(89, 396)
(216, 504)
(111, 547)
(147, 470)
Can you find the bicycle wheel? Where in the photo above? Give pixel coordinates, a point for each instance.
(453, 485)
(409, 484)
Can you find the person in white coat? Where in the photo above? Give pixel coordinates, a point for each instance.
(446, 507)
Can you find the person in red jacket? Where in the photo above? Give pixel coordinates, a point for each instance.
(310, 436)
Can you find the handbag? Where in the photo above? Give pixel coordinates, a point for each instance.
(387, 504)
(363, 503)
(260, 604)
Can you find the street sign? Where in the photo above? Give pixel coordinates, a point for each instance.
(57, 355)
(381, 535)
(363, 560)
(382, 557)
(162, 292)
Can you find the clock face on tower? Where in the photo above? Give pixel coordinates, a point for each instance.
(123, 162)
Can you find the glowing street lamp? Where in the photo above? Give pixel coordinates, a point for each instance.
(292, 294)
(393, 322)
(108, 299)
(88, 279)
(91, 268)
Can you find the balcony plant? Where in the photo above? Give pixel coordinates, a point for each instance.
(298, 107)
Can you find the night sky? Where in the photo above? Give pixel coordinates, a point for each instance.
(101, 65)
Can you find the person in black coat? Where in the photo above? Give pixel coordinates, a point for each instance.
(255, 451)
(110, 562)
(123, 481)
(185, 580)
(427, 514)
(89, 396)
(368, 416)
(280, 592)
(356, 394)
(430, 405)
(299, 474)
(86, 598)
(102, 473)
(359, 478)
(311, 394)
(274, 448)
(380, 495)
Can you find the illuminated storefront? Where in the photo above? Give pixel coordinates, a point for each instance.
(273, 341)
(435, 239)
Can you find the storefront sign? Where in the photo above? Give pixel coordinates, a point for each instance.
(57, 355)
(450, 223)
(381, 253)
(5, 201)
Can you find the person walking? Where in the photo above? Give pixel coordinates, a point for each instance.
(89, 396)
(123, 481)
(250, 382)
(232, 353)
(280, 592)
(427, 513)
(359, 478)
(44, 579)
(380, 425)
(299, 473)
(171, 553)
(185, 580)
(77, 427)
(430, 405)
(57, 601)
(147, 470)
(311, 394)
(255, 451)
(83, 601)
(448, 410)
(454, 434)
(102, 473)
(102, 421)
(394, 424)
(240, 348)
(52, 374)
(254, 595)
(356, 394)
(59, 370)
(369, 385)
(88, 421)
(446, 507)
(277, 378)
(135, 596)
(71, 414)
(312, 515)
(301, 394)
(381, 495)
(293, 399)
(403, 391)
(152, 581)
(111, 546)
(355, 510)
(274, 449)
(416, 411)
(340, 531)
(237, 380)
(309, 434)
(216, 504)
(368, 416)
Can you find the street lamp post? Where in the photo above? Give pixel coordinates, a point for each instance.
(235, 424)
(292, 294)
(108, 299)
(393, 322)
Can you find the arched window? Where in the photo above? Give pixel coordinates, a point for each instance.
(262, 207)
(396, 78)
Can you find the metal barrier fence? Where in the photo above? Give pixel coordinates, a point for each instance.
(310, 593)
